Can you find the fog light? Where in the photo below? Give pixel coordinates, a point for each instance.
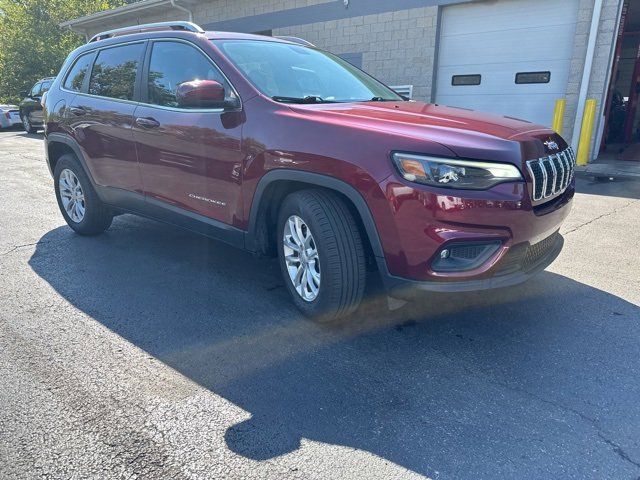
(464, 256)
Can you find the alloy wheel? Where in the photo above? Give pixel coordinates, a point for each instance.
(301, 258)
(72, 195)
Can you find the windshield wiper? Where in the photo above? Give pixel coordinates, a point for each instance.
(382, 99)
(307, 99)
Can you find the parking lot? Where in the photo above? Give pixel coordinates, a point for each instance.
(150, 352)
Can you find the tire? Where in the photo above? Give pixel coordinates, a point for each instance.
(26, 124)
(96, 217)
(340, 259)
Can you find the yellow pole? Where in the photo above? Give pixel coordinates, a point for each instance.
(558, 115)
(588, 121)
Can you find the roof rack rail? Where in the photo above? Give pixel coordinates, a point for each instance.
(147, 27)
(298, 40)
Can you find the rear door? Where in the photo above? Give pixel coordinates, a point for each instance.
(101, 114)
(190, 158)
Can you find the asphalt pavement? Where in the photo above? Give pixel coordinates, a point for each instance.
(150, 352)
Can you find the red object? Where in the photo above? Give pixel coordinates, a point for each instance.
(215, 168)
(200, 93)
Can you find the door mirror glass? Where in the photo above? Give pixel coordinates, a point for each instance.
(201, 94)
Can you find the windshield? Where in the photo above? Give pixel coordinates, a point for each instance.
(297, 74)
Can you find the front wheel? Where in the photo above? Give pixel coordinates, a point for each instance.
(26, 124)
(321, 254)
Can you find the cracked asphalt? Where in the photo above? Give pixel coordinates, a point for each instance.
(149, 352)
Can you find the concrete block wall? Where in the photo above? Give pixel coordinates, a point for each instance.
(397, 47)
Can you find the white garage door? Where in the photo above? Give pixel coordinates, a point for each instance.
(510, 57)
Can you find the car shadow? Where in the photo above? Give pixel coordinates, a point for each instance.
(509, 384)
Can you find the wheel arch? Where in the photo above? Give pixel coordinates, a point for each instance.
(58, 144)
(276, 184)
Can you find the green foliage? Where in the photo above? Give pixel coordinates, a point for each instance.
(33, 45)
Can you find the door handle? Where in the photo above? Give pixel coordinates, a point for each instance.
(78, 110)
(147, 122)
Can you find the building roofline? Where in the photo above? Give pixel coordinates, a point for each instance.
(115, 12)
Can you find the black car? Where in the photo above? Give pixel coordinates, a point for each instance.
(31, 108)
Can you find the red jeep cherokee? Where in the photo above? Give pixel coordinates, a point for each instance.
(279, 148)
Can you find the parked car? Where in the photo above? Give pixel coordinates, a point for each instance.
(284, 149)
(31, 105)
(9, 116)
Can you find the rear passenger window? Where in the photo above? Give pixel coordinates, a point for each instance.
(75, 77)
(173, 63)
(114, 71)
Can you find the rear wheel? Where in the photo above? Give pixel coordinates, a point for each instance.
(78, 201)
(26, 124)
(321, 254)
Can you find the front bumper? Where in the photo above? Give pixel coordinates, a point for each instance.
(517, 266)
(426, 221)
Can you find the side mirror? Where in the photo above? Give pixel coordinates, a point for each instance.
(201, 94)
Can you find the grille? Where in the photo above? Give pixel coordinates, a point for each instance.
(538, 251)
(551, 175)
(468, 253)
(525, 257)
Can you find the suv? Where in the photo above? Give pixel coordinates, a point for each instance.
(280, 148)
(31, 108)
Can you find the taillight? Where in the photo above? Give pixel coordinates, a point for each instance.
(7, 114)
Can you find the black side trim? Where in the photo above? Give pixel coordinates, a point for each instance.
(325, 181)
(141, 205)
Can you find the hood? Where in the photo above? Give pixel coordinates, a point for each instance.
(468, 134)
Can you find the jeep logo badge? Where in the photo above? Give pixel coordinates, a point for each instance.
(551, 145)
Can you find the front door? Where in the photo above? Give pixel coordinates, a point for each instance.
(101, 117)
(189, 158)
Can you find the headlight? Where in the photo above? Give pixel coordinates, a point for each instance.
(453, 173)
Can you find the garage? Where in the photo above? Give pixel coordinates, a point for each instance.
(510, 57)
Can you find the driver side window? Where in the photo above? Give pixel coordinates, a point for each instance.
(173, 63)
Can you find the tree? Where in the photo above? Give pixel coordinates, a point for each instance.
(32, 44)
